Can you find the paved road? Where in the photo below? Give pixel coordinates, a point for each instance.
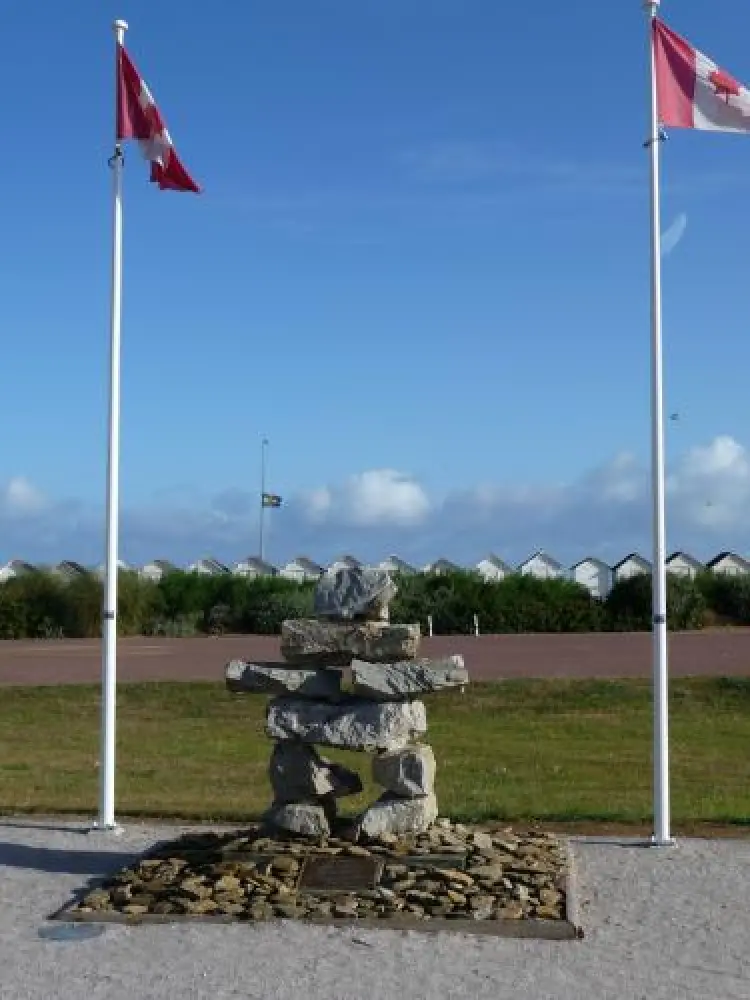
(490, 657)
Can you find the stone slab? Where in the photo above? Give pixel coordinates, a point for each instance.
(298, 772)
(334, 644)
(354, 592)
(355, 724)
(392, 814)
(281, 678)
(305, 818)
(408, 678)
(408, 773)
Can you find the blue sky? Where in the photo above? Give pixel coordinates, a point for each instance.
(420, 267)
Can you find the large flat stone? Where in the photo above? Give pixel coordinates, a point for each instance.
(355, 723)
(407, 679)
(306, 818)
(280, 678)
(355, 592)
(298, 772)
(391, 814)
(329, 643)
(408, 773)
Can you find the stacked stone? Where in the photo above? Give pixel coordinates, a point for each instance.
(379, 713)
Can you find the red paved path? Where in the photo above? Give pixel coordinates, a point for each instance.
(613, 654)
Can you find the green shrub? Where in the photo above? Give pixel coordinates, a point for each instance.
(629, 607)
(265, 603)
(45, 606)
(526, 604)
(12, 615)
(41, 605)
(515, 604)
(727, 596)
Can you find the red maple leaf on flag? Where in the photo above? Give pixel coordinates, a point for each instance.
(726, 86)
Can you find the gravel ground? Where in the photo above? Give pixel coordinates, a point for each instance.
(660, 923)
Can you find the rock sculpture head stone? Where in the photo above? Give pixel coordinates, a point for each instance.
(356, 592)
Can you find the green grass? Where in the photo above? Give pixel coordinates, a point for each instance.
(520, 750)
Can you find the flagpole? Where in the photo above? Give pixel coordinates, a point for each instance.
(661, 836)
(263, 448)
(106, 819)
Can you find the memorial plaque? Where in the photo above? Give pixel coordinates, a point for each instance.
(339, 873)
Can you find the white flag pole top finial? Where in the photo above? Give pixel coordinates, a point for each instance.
(120, 27)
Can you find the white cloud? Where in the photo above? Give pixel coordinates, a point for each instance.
(711, 486)
(606, 512)
(21, 497)
(379, 497)
(460, 161)
(475, 161)
(318, 503)
(621, 481)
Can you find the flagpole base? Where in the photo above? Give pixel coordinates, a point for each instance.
(113, 829)
(655, 841)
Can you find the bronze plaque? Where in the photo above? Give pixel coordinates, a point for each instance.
(339, 873)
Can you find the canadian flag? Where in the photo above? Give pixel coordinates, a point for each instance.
(139, 118)
(692, 90)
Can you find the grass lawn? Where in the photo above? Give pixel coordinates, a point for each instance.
(520, 750)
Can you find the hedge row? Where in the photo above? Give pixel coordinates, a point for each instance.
(39, 605)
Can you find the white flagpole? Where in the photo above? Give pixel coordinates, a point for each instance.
(661, 835)
(106, 819)
(263, 453)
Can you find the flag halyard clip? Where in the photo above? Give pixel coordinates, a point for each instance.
(117, 156)
(661, 137)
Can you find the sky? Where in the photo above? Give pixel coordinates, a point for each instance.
(419, 267)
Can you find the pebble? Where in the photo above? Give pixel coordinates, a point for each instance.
(459, 878)
(227, 882)
(549, 897)
(284, 864)
(492, 873)
(481, 840)
(416, 896)
(403, 884)
(480, 902)
(395, 871)
(231, 909)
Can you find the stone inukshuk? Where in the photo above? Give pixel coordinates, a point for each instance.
(378, 712)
